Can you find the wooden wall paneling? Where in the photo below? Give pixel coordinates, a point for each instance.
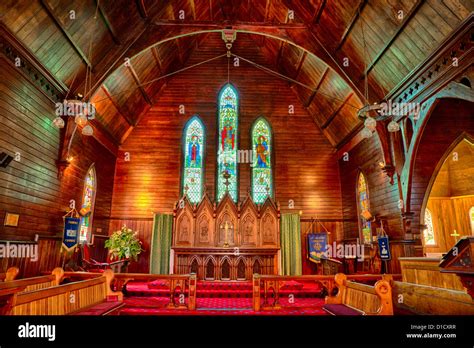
(144, 227)
(30, 187)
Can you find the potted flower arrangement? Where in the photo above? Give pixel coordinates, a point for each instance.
(124, 246)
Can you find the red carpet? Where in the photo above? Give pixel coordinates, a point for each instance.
(223, 298)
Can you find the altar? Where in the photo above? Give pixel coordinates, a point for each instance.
(226, 241)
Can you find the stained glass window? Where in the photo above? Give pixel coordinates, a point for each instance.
(193, 160)
(87, 207)
(262, 185)
(364, 209)
(428, 233)
(227, 146)
(471, 218)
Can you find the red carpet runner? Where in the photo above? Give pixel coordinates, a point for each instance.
(223, 298)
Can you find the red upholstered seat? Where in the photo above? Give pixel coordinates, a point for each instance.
(158, 284)
(340, 309)
(292, 285)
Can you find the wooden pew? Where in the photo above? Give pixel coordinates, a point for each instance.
(73, 298)
(34, 283)
(10, 274)
(426, 290)
(360, 299)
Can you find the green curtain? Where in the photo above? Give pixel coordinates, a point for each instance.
(161, 244)
(291, 260)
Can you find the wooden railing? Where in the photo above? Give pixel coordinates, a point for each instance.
(179, 285)
(272, 285)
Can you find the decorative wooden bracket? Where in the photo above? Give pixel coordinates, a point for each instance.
(65, 138)
(384, 136)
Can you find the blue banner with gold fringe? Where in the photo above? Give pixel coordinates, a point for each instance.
(71, 232)
(317, 246)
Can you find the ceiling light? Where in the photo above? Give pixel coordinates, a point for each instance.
(81, 120)
(393, 127)
(58, 122)
(370, 123)
(87, 130)
(366, 133)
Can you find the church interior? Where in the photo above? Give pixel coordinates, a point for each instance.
(236, 158)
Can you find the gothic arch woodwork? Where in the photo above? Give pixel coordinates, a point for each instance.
(210, 268)
(242, 269)
(269, 225)
(205, 226)
(225, 268)
(226, 223)
(226, 256)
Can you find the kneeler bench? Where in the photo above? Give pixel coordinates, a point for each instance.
(103, 308)
(360, 299)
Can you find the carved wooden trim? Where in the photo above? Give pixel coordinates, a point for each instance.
(31, 67)
(437, 69)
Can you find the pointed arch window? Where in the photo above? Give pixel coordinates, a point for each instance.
(471, 219)
(364, 209)
(87, 207)
(228, 121)
(428, 233)
(193, 164)
(262, 144)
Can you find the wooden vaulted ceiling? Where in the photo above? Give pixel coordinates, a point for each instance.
(308, 41)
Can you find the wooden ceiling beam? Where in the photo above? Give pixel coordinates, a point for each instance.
(280, 50)
(106, 21)
(193, 8)
(352, 23)
(63, 30)
(116, 106)
(267, 10)
(142, 8)
(400, 29)
(156, 56)
(315, 91)
(229, 23)
(139, 84)
(180, 51)
(300, 64)
(335, 113)
(317, 15)
(142, 114)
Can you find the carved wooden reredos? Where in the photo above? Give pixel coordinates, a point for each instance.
(226, 224)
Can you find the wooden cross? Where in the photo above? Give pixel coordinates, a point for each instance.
(455, 235)
(226, 176)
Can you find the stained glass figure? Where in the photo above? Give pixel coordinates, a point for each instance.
(227, 145)
(193, 160)
(87, 208)
(262, 185)
(428, 234)
(364, 207)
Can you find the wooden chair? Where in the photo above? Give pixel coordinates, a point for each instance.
(360, 299)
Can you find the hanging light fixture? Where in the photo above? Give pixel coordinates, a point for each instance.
(87, 130)
(370, 123)
(81, 120)
(393, 126)
(58, 122)
(366, 133)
